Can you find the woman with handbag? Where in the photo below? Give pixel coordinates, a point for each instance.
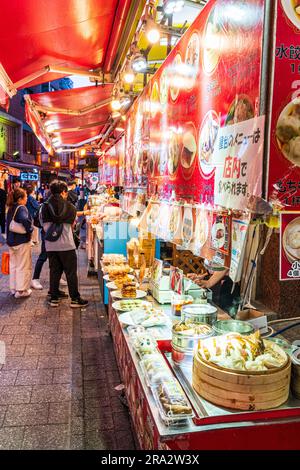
(19, 230)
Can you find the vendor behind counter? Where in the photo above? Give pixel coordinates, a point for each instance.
(225, 294)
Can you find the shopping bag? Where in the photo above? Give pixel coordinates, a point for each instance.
(5, 263)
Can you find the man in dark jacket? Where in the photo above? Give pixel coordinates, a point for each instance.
(72, 194)
(61, 252)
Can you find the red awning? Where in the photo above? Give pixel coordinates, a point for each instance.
(68, 33)
(75, 115)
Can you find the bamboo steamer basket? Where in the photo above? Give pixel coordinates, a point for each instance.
(241, 390)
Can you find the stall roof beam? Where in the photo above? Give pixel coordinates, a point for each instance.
(70, 112)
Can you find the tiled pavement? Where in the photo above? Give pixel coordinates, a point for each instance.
(57, 386)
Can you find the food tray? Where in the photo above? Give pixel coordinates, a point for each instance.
(162, 374)
(179, 399)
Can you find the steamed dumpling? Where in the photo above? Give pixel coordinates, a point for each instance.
(293, 149)
(294, 239)
(287, 128)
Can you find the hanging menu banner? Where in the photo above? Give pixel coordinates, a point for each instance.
(209, 84)
(284, 164)
(290, 246)
(238, 160)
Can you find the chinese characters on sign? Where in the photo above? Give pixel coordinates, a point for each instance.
(284, 169)
(238, 161)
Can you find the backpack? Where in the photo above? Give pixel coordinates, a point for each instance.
(55, 230)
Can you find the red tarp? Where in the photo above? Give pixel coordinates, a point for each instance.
(72, 33)
(75, 99)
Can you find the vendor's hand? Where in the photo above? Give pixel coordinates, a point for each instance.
(204, 284)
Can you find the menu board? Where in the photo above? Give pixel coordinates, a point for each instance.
(284, 164)
(290, 246)
(210, 81)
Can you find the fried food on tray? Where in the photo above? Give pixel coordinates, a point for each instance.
(116, 271)
(129, 290)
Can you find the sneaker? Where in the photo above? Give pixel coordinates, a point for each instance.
(35, 284)
(25, 293)
(53, 302)
(63, 282)
(79, 303)
(61, 295)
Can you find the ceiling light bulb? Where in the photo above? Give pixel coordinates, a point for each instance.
(153, 34)
(173, 6)
(120, 129)
(59, 150)
(129, 77)
(116, 105)
(139, 63)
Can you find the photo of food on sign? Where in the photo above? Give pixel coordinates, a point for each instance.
(291, 240)
(220, 233)
(163, 87)
(240, 110)
(201, 230)
(154, 100)
(192, 58)
(175, 221)
(288, 132)
(176, 80)
(173, 151)
(187, 227)
(292, 10)
(208, 136)
(189, 149)
(211, 43)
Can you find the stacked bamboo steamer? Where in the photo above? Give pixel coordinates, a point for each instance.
(242, 390)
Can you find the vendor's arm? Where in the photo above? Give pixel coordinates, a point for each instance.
(215, 278)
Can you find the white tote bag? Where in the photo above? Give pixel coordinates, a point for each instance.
(16, 227)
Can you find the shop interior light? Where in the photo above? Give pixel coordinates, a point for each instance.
(59, 150)
(116, 105)
(152, 31)
(139, 63)
(57, 164)
(82, 152)
(173, 6)
(16, 153)
(129, 76)
(120, 129)
(125, 101)
(123, 118)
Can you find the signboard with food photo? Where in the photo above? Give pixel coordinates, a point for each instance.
(290, 246)
(284, 163)
(222, 51)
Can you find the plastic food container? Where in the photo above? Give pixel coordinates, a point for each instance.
(185, 343)
(178, 301)
(155, 370)
(173, 406)
(222, 327)
(200, 313)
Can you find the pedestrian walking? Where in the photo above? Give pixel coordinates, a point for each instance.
(19, 230)
(33, 209)
(58, 216)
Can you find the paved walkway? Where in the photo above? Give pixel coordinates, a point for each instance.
(57, 384)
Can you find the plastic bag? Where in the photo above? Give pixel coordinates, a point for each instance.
(5, 263)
